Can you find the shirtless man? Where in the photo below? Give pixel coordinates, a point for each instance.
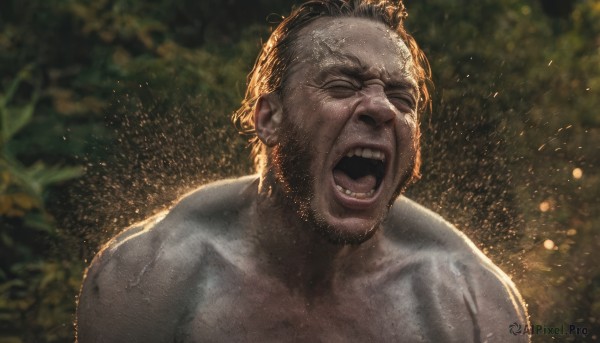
(319, 246)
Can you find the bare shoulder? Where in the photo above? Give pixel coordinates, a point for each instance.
(446, 260)
(415, 227)
(217, 198)
(142, 284)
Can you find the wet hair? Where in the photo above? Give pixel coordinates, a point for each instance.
(274, 61)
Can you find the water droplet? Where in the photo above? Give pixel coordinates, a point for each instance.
(549, 244)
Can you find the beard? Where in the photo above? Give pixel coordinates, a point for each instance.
(290, 163)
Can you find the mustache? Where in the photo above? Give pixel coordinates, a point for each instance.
(290, 164)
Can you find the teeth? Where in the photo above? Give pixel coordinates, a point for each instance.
(353, 194)
(367, 153)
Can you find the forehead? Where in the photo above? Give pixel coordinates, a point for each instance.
(333, 42)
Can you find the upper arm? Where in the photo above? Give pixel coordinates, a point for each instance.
(145, 284)
(130, 292)
(498, 304)
(111, 299)
(491, 299)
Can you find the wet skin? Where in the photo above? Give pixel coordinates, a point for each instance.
(198, 276)
(235, 261)
(355, 88)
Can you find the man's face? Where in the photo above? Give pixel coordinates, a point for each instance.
(348, 138)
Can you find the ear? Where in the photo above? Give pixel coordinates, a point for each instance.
(267, 118)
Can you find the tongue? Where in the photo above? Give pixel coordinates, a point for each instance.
(362, 184)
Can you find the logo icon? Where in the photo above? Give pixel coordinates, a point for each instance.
(514, 328)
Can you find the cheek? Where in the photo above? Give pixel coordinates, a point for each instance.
(304, 112)
(324, 118)
(333, 115)
(407, 127)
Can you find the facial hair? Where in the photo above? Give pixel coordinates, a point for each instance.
(291, 166)
(290, 163)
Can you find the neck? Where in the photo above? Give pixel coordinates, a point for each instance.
(297, 253)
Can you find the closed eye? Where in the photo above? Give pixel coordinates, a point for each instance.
(341, 88)
(402, 101)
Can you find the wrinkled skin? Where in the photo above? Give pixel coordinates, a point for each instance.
(265, 258)
(355, 88)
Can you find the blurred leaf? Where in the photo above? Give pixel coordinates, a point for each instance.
(13, 119)
(39, 222)
(23, 200)
(45, 176)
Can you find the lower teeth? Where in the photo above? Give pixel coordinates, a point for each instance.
(354, 194)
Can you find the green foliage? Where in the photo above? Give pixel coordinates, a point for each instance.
(135, 96)
(103, 83)
(517, 101)
(34, 290)
(22, 187)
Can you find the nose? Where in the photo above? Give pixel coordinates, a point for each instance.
(375, 109)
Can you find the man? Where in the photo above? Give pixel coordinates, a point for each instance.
(318, 247)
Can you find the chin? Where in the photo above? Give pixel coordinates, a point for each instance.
(320, 195)
(345, 236)
(349, 231)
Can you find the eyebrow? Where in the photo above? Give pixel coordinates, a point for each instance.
(356, 69)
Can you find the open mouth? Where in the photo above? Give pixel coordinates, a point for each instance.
(360, 172)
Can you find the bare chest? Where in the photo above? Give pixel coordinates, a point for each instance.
(257, 309)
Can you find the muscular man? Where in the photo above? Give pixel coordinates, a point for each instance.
(318, 246)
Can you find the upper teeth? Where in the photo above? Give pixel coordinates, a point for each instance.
(367, 153)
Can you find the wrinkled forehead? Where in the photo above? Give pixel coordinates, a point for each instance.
(328, 42)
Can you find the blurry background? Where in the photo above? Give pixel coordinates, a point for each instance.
(112, 109)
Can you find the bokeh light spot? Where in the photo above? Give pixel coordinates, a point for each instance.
(544, 206)
(549, 244)
(577, 173)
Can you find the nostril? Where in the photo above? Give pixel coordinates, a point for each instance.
(367, 120)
